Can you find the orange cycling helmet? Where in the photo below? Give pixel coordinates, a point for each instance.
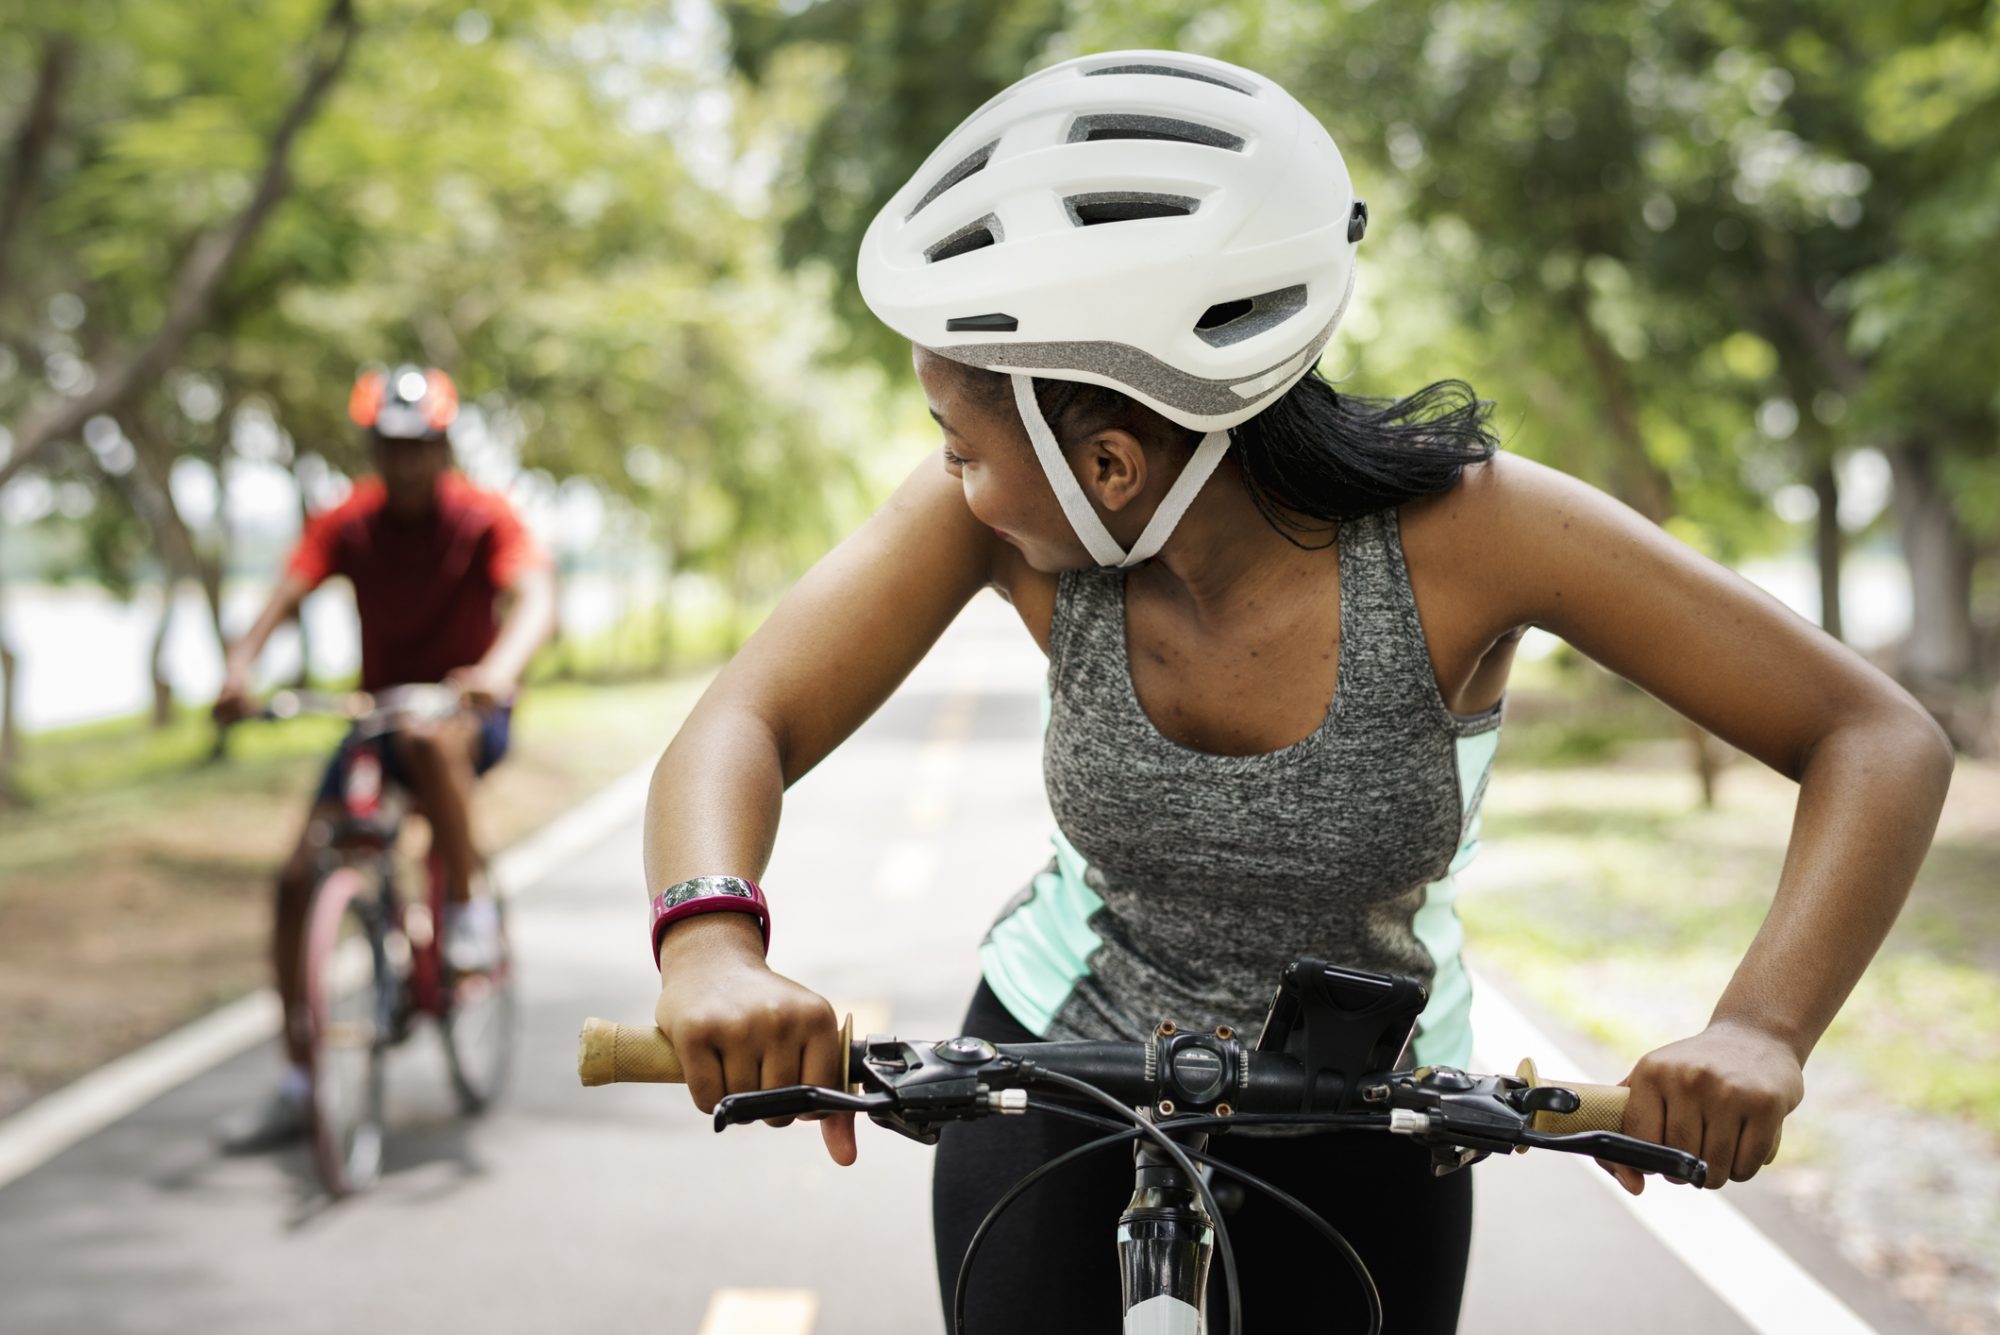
(404, 403)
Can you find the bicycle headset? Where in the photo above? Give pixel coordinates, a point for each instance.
(404, 403)
(1174, 227)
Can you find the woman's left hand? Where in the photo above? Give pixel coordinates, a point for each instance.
(1721, 1094)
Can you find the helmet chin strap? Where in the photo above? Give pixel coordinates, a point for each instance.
(1090, 530)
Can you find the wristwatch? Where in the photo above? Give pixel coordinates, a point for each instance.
(709, 894)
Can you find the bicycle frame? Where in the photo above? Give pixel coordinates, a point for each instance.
(1165, 1239)
(364, 836)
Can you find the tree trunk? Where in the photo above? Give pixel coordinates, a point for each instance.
(163, 686)
(1939, 652)
(207, 264)
(1640, 483)
(217, 566)
(1828, 546)
(31, 145)
(153, 498)
(1637, 480)
(10, 730)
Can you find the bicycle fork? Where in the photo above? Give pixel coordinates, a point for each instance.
(1165, 1238)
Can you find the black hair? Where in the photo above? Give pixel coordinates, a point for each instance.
(1314, 458)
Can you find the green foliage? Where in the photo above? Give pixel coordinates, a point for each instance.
(1635, 226)
(511, 192)
(875, 86)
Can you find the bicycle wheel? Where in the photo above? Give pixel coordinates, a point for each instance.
(349, 994)
(479, 1025)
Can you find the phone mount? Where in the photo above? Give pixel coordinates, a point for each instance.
(1341, 1023)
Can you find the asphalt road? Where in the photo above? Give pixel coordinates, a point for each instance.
(618, 1209)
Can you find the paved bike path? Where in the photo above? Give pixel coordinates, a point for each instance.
(617, 1209)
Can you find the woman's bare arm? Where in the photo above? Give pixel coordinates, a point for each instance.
(827, 658)
(1871, 765)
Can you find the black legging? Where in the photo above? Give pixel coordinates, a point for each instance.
(1049, 1266)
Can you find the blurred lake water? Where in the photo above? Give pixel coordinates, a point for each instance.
(83, 652)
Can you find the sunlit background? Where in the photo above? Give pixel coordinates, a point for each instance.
(1736, 262)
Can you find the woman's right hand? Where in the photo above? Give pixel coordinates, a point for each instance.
(739, 1027)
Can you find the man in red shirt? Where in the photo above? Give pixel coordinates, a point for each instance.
(430, 557)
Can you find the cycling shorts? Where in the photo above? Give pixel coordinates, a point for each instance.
(495, 729)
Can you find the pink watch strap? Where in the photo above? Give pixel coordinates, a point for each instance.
(709, 894)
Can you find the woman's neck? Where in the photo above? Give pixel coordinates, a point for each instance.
(1224, 552)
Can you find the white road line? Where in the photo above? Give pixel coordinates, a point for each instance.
(529, 862)
(760, 1312)
(53, 1123)
(1726, 1252)
(928, 810)
(907, 870)
(908, 867)
(50, 1125)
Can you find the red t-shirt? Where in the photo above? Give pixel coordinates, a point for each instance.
(426, 588)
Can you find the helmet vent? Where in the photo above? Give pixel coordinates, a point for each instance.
(1171, 72)
(973, 236)
(1233, 321)
(1126, 206)
(969, 165)
(997, 322)
(1118, 125)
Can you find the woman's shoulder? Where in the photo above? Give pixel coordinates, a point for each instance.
(1469, 549)
(1494, 503)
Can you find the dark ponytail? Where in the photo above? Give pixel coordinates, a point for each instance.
(1318, 457)
(1311, 460)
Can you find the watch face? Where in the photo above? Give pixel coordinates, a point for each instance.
(701, 887)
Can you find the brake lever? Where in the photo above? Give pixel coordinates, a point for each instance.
(1629, 1151)
(793, 1101)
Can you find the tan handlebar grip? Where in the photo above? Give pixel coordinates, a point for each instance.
(608, 1054)
(1602, 1109)
(613, 1054)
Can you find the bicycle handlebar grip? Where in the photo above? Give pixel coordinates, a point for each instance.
(608, 1054)
(1600, 1107)
(613, 1054)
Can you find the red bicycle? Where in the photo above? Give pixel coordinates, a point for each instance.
(372, 962)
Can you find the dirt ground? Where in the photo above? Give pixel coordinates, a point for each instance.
(128, 911)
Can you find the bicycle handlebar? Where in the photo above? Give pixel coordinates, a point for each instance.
(963, 1078)
(371, 712)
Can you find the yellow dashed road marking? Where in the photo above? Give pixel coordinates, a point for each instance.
(761, 1312)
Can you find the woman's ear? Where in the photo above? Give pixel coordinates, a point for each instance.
(1114, 468)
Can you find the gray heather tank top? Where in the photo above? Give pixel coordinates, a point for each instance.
(1183, 881)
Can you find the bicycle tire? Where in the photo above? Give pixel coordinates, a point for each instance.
(481, 1016)
(349, 996)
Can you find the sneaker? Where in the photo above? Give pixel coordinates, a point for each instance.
(472, 941)
(279, 1120)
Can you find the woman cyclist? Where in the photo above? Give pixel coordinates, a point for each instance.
(1279, 622)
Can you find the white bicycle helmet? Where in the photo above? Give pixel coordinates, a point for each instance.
(1175, 227)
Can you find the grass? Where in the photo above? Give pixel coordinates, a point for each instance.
(135, 890)
(1617, 902)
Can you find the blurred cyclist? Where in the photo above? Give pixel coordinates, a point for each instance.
(430, 556)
